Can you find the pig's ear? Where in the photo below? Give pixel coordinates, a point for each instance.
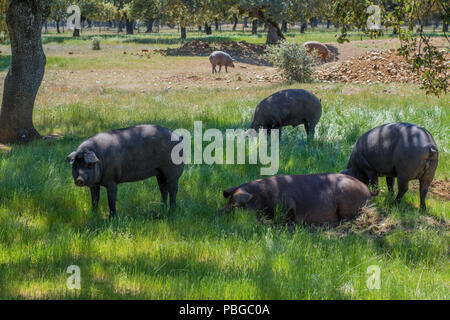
(90, 157)
(71, 157)
(241, 198)
(227, 193)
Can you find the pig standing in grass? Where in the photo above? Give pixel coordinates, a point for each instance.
(288, 107)
(314, 199)
(401, 150)
(126, 155)
(220, 58)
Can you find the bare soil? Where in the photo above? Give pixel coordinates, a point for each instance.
(439, 188)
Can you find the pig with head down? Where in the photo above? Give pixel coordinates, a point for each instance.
(397, 150)
(220, 58)
(290, 107)
(127, 155)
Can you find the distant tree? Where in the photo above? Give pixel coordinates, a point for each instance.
(145, 10)
(59, 12)
(417, 48)
(268, 11)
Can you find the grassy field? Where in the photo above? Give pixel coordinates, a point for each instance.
(46, 223)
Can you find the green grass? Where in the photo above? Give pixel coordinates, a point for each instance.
(46, 223)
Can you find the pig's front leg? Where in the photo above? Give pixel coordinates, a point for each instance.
(95, 196)
(112, 195)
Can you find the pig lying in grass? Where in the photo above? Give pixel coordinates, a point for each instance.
(288, 107)
(401, 150)
(126, 155)
(220, 58)
(314, 199)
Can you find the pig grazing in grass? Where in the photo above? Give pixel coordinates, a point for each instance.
(401, 150)
(288, 107)
(126, 155)
(314, 199)
(220, 58)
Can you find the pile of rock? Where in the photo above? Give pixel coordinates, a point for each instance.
(372, 67)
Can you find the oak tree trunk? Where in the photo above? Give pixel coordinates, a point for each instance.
(183, 33)
(235, 23)
(129, 24)
(149, 24)
(274, 35)
(24, 20)
(255, 26)
(208, 29)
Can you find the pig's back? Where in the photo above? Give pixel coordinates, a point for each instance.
(390, 145)
(220, 57)
(291, 104)
(134, 153)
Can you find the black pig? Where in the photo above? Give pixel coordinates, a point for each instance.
(313, 198)
(126, 155)
(401, 150)
(288, 107)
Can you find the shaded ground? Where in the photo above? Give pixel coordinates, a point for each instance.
(439, 188)
(242, 51)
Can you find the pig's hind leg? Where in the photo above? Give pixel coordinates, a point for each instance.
(173, 190)
(390, 184)
(162, 183)
(310, 129)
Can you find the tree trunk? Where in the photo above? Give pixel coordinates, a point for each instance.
(120, 27)
(216, 22)
(76, 32)
(255, 26)
(235, 23)
(24, 20)
(444, 26)
(129, 24)
(183, 33)
(303, 27)
(284, 26)
(57, 26)
(328, 23)
(149, 25)
(245, 22)
(274, 35)
(208, 28)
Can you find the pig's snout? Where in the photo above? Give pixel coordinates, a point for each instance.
(79, 181)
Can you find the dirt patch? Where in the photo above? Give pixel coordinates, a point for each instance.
(439, 188)
(242, 51)
(374, 66)
(369, 221)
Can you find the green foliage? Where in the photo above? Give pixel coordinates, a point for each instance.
(293, 61)
(424, 57)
